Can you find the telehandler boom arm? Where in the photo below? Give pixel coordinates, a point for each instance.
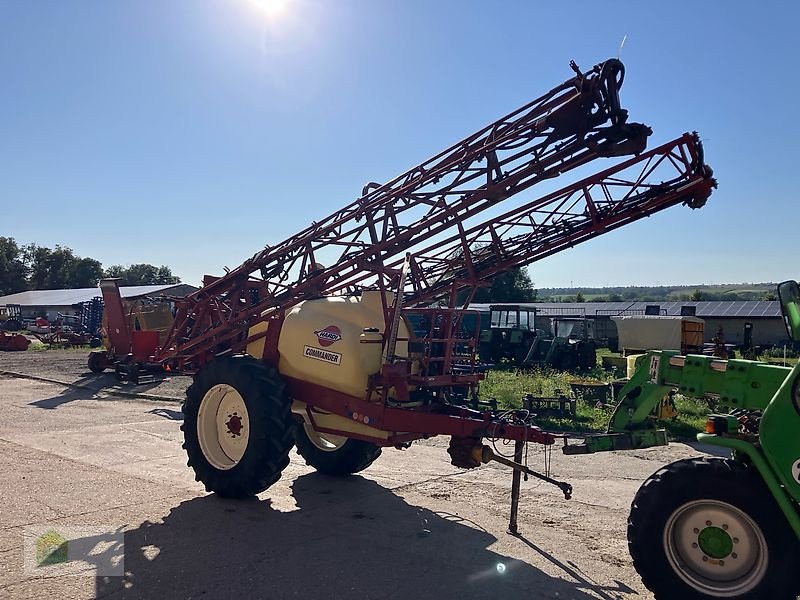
(763, 399)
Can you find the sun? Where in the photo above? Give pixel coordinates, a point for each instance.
(273, 8)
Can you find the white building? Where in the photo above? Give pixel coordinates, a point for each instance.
(49, 303)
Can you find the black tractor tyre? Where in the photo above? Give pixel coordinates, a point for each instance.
(98, 362)
(12, 324)
(521, 353)
(586, 356)
(684, 482)
(269, 420)
(351, 457)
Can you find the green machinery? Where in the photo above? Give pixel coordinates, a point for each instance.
(511, 331)
(513, 336)
(717, 527)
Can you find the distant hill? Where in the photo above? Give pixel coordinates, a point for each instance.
(726, 291)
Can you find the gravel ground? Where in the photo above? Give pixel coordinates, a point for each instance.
(410, 526)
(83, 456)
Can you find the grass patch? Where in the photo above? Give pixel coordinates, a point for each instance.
(691, 419)
(790, 362)
(509, 387)
(40, 347)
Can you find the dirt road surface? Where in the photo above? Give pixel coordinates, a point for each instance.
(410, 526)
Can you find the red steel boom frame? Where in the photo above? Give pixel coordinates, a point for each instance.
(674, 173)
(571, 125)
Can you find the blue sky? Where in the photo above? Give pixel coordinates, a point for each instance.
(193, 132)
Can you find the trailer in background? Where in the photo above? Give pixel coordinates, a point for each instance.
(640, 333)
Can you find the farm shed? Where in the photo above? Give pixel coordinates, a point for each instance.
(49, 303)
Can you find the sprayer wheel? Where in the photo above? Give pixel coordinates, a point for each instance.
(237, 426)
(333, 454)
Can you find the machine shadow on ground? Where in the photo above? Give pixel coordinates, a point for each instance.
(348, 538)
(94, 383)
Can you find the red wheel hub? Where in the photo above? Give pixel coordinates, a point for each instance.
(234, 425)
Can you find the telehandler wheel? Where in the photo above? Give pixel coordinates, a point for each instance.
(237, 426)
(333, 454)
(709, 528)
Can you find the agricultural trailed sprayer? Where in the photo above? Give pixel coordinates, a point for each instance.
(310, 342)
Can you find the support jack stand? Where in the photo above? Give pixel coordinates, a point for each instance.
(485, 454)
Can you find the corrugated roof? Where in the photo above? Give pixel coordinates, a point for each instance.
(717, 309)
(78, 295)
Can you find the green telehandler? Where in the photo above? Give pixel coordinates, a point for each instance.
(717, 527)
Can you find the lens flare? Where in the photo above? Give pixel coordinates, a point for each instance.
(273, 8)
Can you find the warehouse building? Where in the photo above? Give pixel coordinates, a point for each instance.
(763, 318)
(50, 303)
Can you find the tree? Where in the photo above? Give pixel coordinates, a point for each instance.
(143, 274)
(166, 277)
(86, 272)
(60, 263)
(615, 298)
(698, 296)
(12, 267)
(59, 268)
(36, 263)
(579, 297)
(39, 268)
(512, 286)
(115, 271)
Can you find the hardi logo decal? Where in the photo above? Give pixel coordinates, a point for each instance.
(796, 470)
(329, 335)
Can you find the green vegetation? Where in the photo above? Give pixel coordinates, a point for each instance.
(509, 387)
(514, 285)
(32, 267)
(674, 293)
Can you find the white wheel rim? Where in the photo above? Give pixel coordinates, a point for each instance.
(327, 442)
(223, 427)
(736, 561)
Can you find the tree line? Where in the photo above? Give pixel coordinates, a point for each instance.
(33, 267)
(745, 291)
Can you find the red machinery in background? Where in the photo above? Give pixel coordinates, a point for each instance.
(132, 338)
(13, 342)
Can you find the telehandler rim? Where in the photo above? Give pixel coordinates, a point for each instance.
(327, 442)
(223, 426)
(715, 548)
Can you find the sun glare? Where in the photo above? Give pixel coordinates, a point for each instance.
(273, 8)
